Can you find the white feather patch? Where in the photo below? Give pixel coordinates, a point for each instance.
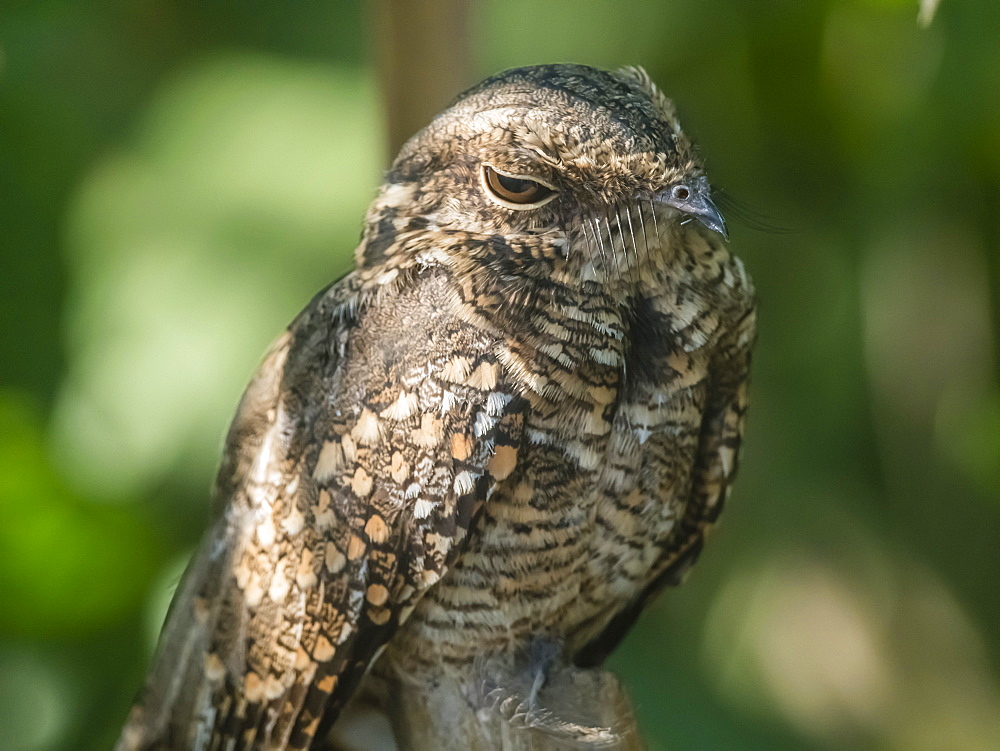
(496, 402)
(367, 431)
(465, 481)
(404, 406)
(423, 508)
(330, 461)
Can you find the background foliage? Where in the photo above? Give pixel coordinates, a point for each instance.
(178, 178)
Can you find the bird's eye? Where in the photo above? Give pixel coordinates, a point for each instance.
(516, 192)
(681, 192)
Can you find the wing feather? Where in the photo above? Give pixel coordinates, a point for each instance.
(358, 461)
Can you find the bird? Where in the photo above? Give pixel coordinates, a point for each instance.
(512, 424)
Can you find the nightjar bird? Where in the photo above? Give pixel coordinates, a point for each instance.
(518, 417)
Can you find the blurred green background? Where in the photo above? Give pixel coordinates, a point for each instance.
(178, 178)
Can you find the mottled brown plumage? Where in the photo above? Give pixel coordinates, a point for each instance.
(512, 422)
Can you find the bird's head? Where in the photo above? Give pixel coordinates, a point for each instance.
(587, 166)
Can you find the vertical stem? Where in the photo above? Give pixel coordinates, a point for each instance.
(423, 57)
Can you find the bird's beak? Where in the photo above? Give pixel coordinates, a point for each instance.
(697, 203)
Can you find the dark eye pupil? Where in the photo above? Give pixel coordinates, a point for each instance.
(515, 184)
(522, 191)
(682, 193)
